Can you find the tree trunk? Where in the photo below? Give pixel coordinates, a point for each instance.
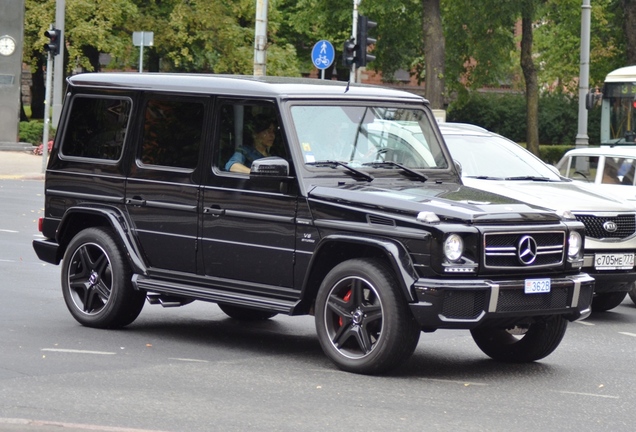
(530, 75)
(434, 51)
(629, 27)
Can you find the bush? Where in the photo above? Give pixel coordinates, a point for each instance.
(505, 114)
(553, 153)
(32, 131)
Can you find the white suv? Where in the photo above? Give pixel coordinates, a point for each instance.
(493, 163)
(606, 170)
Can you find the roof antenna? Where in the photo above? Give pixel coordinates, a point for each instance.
(347, 89)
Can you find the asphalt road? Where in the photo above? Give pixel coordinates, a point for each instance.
(193, 369)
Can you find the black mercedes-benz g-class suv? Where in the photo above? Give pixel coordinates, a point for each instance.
(270, 195)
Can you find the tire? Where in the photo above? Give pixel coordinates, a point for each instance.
(245, 314)
(96, 281)
(606, 301)
(363, 323)
(632, 293)
(521, 345)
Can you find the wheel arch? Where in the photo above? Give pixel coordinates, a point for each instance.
(77, 219)
(338, 248)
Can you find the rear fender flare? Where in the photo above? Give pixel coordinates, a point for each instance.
(111, 217)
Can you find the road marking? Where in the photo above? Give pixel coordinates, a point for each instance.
(628, 334)
(464, 383)
(72, 351)
(587, 394)
(188, 360)
(9, 231)
(53, 425)
(585, 323)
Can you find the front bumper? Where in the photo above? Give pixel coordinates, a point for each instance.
(608, 280)
(466, 304)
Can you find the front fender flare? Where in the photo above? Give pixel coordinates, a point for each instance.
(395, 252)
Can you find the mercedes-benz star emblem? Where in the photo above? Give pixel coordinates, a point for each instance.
(527, 250)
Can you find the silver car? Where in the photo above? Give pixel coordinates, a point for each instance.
(496, 164)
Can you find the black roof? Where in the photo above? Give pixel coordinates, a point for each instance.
(239, 85)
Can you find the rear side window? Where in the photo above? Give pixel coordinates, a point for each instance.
(97, 127)
(172, 133)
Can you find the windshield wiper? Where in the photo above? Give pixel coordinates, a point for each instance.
(533, 178)
(485, 177)
(333, 163)
(409, 171)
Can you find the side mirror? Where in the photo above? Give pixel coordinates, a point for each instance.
(270, 167)
(458, 167)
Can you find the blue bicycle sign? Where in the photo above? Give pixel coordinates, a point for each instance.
(323, 54)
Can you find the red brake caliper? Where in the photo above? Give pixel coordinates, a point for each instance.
(346, 298)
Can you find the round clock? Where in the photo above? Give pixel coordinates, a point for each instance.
(7, 45)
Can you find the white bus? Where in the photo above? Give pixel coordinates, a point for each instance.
(618, 118)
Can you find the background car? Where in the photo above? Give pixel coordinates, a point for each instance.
(605, 169)
(609, 169)
(496, 164)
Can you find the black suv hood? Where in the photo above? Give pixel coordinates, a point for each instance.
(449, 201)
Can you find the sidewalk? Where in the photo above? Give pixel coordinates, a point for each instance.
(20, 165)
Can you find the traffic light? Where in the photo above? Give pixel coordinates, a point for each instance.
(348, 53)
(53, 45)
(363, 41)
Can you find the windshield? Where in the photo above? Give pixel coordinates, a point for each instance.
(360, 136)
(618, 122)
(495, 157)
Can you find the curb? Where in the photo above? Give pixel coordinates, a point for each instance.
(16, 146)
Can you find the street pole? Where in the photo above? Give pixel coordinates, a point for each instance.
(354, 31)
(141, 54)
(58, 79)
(582, 139)
(47, 114)
(260, 39)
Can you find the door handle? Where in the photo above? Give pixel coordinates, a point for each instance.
(136, 201)
(214, 211)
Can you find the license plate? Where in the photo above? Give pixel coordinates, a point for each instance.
(537, 286)
(614, 261)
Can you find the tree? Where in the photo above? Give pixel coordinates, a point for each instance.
(558, 42)
(528, 10)
(434, 52)
(629, 25)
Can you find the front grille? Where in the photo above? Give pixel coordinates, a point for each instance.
(464, 304)
(524, 249)
(515, 300)
(594, 226)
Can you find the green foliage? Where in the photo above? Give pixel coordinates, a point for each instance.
(501, 113)
(479, 43)
(558, 40)
(553, 153)
(505, 114)
(32, 132)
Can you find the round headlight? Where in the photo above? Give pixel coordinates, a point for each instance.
(453, 247)
(574, 244)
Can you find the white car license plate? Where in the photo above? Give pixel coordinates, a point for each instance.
(614, 261)
(537, 286)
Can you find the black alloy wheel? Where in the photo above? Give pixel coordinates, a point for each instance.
(96, 281)
(363, 322)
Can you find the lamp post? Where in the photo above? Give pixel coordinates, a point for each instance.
(582, 139)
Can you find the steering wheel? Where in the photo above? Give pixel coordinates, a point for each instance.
(582, 175)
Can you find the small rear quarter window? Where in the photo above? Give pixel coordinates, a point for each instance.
(97, 127)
